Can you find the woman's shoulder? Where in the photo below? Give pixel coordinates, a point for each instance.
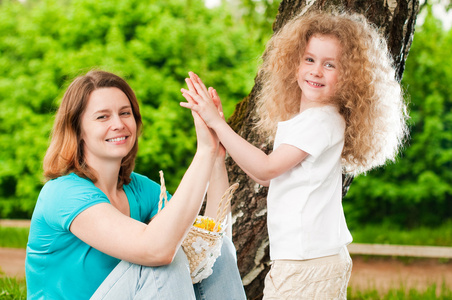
(68, 180)
(68, 185)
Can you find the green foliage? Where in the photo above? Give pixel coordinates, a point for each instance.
(416, 190)
(259, 16)
(153, 44)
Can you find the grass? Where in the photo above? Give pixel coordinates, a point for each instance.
(390, 234)
(432, 292)
(12, 288)
(13, 237)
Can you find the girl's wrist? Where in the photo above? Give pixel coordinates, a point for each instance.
(217, 123)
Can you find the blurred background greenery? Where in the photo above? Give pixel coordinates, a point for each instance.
(44, 44)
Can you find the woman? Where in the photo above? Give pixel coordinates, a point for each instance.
(95, 226)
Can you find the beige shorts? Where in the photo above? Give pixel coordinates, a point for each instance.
(320, 278)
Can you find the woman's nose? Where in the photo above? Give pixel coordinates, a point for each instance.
(117, 123)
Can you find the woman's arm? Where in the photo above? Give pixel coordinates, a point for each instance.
(256, 163)
(219, 182)
(103, 227)
(217, 186)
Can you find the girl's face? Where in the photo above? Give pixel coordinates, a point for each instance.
(318, 72)
(108, 126)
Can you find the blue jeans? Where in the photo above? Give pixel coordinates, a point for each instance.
(173, 281)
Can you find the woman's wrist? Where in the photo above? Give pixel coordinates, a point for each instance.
(219, 161)
(206, 153)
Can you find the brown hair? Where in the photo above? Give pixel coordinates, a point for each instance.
(368, 96)
(65, 152)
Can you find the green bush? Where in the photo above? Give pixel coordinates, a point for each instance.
(416, 190)
(153, 44)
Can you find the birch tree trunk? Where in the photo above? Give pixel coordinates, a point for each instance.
(396, 19)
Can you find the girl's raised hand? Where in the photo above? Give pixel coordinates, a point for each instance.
(205, 136)
(216, 100)
(202, 100)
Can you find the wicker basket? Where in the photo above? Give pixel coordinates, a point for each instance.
(202, 246)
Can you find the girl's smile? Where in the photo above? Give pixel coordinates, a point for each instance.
(314, 84)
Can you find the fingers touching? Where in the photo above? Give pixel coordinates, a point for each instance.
(216, 100)
(197, 93)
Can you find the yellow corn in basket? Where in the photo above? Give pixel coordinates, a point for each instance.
(202, 245)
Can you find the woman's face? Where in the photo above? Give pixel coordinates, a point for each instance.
(108, 127)
(318, 72)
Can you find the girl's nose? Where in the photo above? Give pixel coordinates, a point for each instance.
(316, 70)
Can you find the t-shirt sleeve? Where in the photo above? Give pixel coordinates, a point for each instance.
(308, 133)
(66, 197)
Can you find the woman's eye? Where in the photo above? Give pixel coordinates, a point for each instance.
(101, 117)
(126, 113)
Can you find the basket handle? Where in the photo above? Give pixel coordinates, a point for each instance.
(163, 194)
(221, 214)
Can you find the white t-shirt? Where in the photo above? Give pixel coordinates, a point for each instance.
(305, 217)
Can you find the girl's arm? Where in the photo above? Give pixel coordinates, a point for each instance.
(252, 160)
(103, 227)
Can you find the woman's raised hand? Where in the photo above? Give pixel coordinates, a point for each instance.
(205, 102)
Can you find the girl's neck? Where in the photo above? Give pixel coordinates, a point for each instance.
(304, 105)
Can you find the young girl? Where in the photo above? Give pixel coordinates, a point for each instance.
(330, 95)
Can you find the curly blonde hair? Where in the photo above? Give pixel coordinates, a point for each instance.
(368, 96)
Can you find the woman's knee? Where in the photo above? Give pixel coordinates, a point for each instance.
(171, 281)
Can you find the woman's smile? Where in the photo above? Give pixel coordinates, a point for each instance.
(117, 139)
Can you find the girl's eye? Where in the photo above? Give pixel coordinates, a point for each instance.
(328, 65)
(308, 59)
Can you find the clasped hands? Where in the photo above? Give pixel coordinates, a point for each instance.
(203, 101)
(206, 104)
